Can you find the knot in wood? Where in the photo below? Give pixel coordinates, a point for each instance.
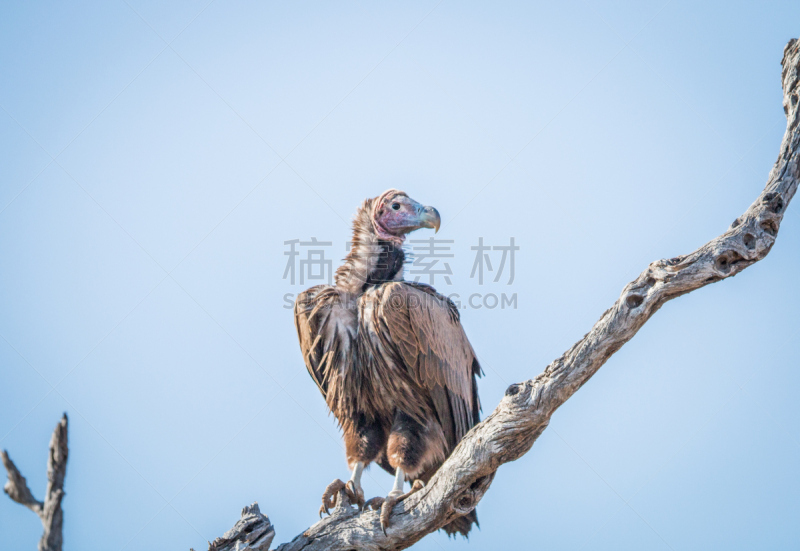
(774, 202)
(464, 503)
(726, 261)
(634, 301)
(769, 226)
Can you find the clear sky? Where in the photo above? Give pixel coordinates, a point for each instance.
(156, 158)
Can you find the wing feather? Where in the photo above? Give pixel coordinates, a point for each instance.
(441, 401)
(326, 330)
(425, 330)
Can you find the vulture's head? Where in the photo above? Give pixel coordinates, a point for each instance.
(394, 214)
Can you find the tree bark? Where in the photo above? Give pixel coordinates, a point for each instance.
(49, 511)
(525, 410)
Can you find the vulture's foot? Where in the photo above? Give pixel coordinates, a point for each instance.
(394, 497)
(374, 503)
(330, 496)
(355, 493)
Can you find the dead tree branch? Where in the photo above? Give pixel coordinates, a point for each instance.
(48, 511)
(525, 411)
(252, 532)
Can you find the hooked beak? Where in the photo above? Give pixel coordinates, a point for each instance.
(429, 218)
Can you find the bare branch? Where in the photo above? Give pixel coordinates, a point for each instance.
(53, 517)
(49, 512)
(253, 532)
(17, 487)
(525, 411)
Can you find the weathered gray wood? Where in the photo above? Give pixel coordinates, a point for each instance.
(49, 511)
(252, 532)
(17, 487)
(525, 411)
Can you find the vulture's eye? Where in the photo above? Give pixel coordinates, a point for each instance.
(395, 206)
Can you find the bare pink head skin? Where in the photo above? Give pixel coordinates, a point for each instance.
(395, 214)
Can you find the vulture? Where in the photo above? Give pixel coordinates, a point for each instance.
(390, 357)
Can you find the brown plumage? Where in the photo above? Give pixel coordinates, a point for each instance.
(390, 356)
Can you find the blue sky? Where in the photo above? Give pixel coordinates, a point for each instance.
(157, 157)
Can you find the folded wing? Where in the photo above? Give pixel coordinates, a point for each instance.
(424, 328)
(326, 330)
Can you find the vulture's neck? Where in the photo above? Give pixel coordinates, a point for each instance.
(371, 260)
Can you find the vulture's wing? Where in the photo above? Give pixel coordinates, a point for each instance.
(325, 328)
(425, 331)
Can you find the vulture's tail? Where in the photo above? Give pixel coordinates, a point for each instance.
(462, 525)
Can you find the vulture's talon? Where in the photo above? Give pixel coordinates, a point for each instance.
(386, 511)
(355, 493)
(394, 497)
(329, 496)
(374, 503)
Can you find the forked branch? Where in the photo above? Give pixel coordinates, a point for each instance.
(525, 410)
